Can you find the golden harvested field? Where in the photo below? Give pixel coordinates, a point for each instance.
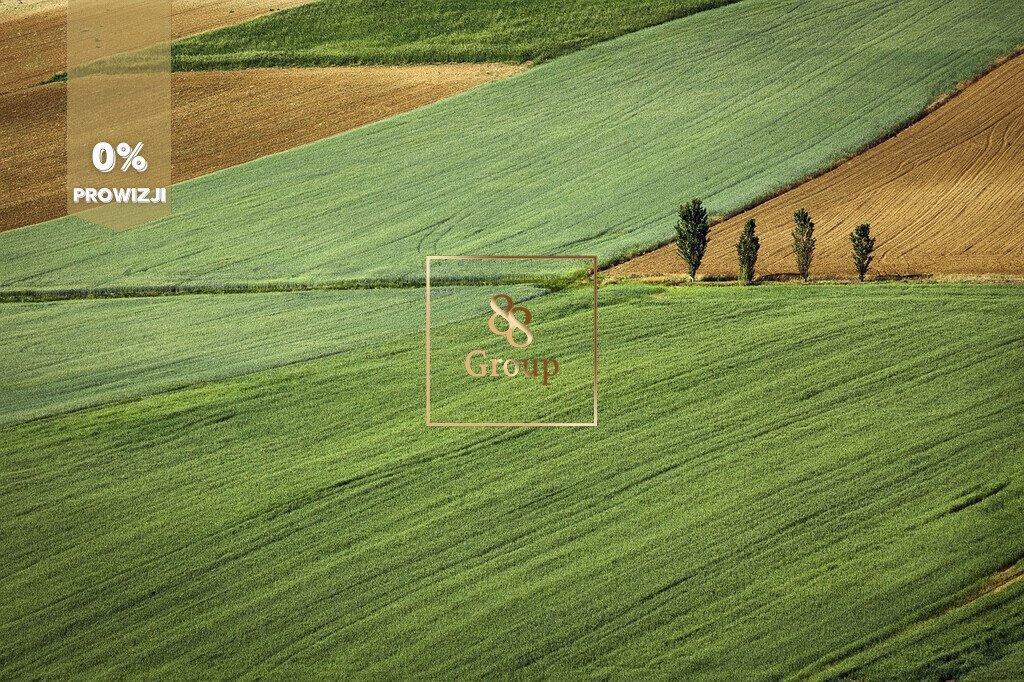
(220, 119)
(943, 197)
(33, 32)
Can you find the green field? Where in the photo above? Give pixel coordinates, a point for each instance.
(807, 480)
(587, 154)
(56, 357)
(216, 464)
(334, 32)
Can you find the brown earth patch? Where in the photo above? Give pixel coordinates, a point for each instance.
(32, 48)
(943, 197)
(221, 119)
(33, 32)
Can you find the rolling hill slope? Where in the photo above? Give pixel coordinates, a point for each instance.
(60, 357)
(220, 119)
(335, 32)
(226, 118)
(816, 480)
(589, 153)
(945, 196)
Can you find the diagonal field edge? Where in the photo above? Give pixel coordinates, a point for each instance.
(588, 153)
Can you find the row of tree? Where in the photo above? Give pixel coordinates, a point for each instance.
(693, 234)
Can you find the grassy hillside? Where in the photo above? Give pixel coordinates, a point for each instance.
(975, 641)
(803, 481)
(333, 32)
(589, 153)
(56, 357)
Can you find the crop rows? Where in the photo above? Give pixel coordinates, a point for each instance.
(798, 484)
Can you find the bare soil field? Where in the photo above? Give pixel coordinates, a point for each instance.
(33, 32)
(220, 119)
(943, 197)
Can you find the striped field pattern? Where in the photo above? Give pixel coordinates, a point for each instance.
(814, 481)
(587, 154)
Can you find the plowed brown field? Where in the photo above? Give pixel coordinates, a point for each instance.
(32, 32)
(943, 197)
(220, 119)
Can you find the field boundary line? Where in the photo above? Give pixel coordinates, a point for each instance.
(551, 284)
(940, 102)
(49, 295)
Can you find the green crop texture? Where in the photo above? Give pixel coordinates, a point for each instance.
(56, 357)
(590, 153)
(821, 482)
(785, 480)
(332, 32)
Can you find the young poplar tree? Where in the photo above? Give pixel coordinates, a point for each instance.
(803, 242)
(692, 234)
(863, 248)
(747, 248)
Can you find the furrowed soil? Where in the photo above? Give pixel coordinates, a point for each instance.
(33, 32)
(221, 119)
(943, 197)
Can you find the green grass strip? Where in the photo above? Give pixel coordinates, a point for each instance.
(339, 32)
